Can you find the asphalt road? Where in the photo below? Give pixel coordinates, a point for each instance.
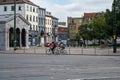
(58, 67)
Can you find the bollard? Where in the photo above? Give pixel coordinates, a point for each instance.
(82, 50)
(69, 49)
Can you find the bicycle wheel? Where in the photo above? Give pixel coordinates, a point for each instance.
(56, 51)
(48, 52)
(64, 52)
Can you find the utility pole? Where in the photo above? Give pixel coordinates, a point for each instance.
(14, 24)
(114, 27)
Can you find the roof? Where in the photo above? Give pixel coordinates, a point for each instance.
(62, 29)
(3, 2)
(9, 17)
(55, 18)
(5, 17)
(89, 15)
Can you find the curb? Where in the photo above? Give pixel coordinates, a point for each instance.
(116, 54)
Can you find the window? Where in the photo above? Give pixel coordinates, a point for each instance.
(33, 9)
(30, 9)
(36, 28)
(80, 21)
(30, 18)
(50, 22)
(27, 17)
(12, 8)
(33, 27)
(30, 27)
(42, 21)
(4, 0)
(27, 8)
(19, 8)
(33, 18)
(42, 13)
(5, 8)
(36, 10)
(39, 20)
(36, 19)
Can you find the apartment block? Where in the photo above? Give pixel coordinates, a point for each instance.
(73, 24)
(34, 14)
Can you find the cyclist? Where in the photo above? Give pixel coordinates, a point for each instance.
(52, 47)
(61, 46)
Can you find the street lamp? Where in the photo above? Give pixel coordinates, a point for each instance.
(54, 33)
(14, 24)
(115, 8)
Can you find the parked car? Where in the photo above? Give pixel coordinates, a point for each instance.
(47, 44)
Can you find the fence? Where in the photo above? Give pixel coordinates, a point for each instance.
(76, 50)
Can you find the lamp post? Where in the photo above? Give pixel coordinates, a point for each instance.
(69, 45)
(54, 33)
(14, 24)
(114, 27)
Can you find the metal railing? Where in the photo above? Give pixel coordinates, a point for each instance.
(76, 50)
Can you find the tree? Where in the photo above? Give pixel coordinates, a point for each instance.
(100, 27)
(85, 31)
(116, 6)
(109, 22)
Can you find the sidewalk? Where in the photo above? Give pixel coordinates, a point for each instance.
(31, 50)
(70, 51)
(93, 51)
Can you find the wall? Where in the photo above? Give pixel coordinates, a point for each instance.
(2, 36)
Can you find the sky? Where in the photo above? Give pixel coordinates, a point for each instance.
(73, 8)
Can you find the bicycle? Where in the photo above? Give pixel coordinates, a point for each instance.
(63, 52)
(57, 51)
(49, 51)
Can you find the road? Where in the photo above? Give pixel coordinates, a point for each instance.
(58, 67)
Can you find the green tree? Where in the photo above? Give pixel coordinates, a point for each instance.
(85, 32)
(99, 27)
(116, 5)
(109, 22)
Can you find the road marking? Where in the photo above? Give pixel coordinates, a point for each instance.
(100, 78)
(74, 79)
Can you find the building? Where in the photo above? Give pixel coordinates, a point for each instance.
(41, 24)
(30, 12)
(48, 27)
(51, 27)
(54, 28)
(7, 32)
(73, 24)
(62, 34)
(87, 18)
(62, 23)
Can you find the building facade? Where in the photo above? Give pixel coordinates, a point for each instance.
(7, 32)
(48, 27)
(26, 8)
(87, 18)
(29, 11)
(51, 27)
(73, 24)
(41, 24)
(54, 28)
(62, 34)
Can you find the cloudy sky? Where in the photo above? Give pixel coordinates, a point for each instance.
(73, 8)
